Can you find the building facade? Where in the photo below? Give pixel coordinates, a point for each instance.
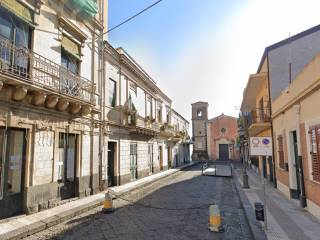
(143, 134)
(288, 75)
(181, 149)
(222, 138)
(256, 119)
(199, 130)
(295, 118)
(76, 115)
(50, 90)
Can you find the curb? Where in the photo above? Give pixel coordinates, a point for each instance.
(142, 185)
(255, 227)
(43, 224)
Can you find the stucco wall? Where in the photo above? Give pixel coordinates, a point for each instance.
(217, 137)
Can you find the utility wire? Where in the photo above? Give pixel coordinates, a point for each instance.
(129, 19)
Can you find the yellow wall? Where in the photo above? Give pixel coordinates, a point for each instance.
(296, 109)
(301, 86)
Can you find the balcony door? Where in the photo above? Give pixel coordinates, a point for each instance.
(150, 158)
(12, 162)
(133, 161)
(160, 158)
(112, 146)
(17, 33)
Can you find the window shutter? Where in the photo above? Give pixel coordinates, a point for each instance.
(280, 152)
(315, 150)
(71, 47)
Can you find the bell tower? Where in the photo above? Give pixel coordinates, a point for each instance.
(199, 130)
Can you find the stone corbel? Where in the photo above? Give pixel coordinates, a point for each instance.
(43, 125)
(1, 84)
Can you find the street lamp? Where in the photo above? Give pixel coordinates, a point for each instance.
(245, 175)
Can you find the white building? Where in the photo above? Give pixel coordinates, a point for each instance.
(142, 131)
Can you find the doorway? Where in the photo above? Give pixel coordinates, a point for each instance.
(270, 164)
(169, 157)
(133, 161)
(67, 165)
(12, 164)
(150, 158)
(223, 152)
(296, 164)
(160, 158)
(264, 166)
(112, 146)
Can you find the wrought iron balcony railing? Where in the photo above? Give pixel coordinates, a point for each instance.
(258, 116)
(32, 68)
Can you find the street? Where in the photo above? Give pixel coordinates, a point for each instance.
(175, 207)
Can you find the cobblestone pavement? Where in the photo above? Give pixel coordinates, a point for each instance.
(175, 207)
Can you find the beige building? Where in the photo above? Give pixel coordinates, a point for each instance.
(76, 115)
(293, 70)
(49, 103)
(296, 127)
(256, 118)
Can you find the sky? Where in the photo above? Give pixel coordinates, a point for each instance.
(205, 50)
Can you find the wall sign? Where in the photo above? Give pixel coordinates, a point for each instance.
(260, 146)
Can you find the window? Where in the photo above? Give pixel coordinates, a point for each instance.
(160, 114)
(199, 113)
(132, 101)
(17, 33)
(168, 116)
(280, 152)
(141, 102)
(112, 93)
(133, 160)
(315, 156)
(149, 109)
(69, 62)
(223, 130)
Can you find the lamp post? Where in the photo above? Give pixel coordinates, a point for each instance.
(244, 153)
(245, 175)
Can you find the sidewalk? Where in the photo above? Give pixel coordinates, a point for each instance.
(26, 225)
(285, 218)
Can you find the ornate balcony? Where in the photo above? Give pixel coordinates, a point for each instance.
(258, 120)
(140, 125)
(167, 130)
(49, 82)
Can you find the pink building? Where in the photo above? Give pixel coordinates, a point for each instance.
(222, 138)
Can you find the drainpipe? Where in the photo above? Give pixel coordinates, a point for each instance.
(102, 113)
(271, 124)
(303, 199)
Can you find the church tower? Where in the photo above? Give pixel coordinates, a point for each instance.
(199, 130)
